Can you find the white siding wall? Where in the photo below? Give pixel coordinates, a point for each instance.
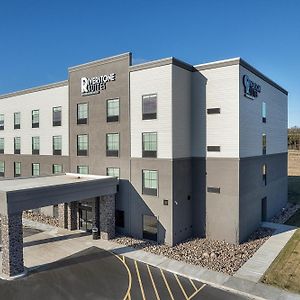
(222, 90)
(155, 80)
(43, 100)
(182, 83)
(251, 125)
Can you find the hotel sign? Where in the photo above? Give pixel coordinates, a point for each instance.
(251, 89)
(94, 85)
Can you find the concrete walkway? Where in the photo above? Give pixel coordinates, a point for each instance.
(258, 264)
(54, 244)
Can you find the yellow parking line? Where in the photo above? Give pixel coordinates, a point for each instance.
(166, 283)
(181, 287)
(139, 279)
(193, 284)
(153, 283)
(196, 292)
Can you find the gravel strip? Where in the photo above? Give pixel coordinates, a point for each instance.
(41, 218)
(215, 255)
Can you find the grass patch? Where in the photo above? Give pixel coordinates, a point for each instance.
(284, 272)
(294, 220)
(294, 189)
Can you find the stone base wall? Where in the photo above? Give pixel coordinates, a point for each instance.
(41, 218)
(72, 215)
(62, 216)
(12, 244)
(107, 217)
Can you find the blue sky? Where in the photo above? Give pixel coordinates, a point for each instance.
(39, 40)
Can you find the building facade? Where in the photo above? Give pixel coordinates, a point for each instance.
(198, 150)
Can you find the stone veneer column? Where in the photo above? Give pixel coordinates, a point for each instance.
(12, 244)
(72, 212)
(107, 217)
(62, 215)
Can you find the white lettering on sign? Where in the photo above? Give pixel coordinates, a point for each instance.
(94, 85)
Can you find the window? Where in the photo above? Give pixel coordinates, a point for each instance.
(35, 169)
(150, 227)
(112, 110)
(83, 169)
(1, 121)
(17, 120)
(119, 215)
(17, 145)
(82, 113)
(57, 145)
(215, 190)
(112, 144)
(35, 117)
(57, 169)
(82, 145)
(150, 182)
(149, 144)
(211, 111)
(56, 115)
(213, 148)
(264, 112)
(149, 107)
(264, 209)
(1, 145)
(17, 169)
(35, 145)
(264, 143)
(115, 172)
(2, 168)
(264, 174)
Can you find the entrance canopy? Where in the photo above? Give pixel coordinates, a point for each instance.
(17, 195)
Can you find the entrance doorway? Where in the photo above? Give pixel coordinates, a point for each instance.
(150, 225)
(85, 216)
(264, 209)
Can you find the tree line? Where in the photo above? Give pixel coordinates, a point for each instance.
(294, 138)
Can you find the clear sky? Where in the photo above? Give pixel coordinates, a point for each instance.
(40, 39)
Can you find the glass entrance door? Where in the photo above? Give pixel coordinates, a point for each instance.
(85, 217)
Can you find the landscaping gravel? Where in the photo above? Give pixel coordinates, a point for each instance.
(215, 255)
(41, 218)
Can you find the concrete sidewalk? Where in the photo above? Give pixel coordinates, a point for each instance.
(54, 244)
(258, 264)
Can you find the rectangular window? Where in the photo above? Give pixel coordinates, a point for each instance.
(1, 145)
(83, 169)
(119, 215)
(35, 117)
(56, 116)
(35, 169)
(82, 113)
(150, 182)
(2, 168)
(264, 209)
(264, 174)
(57, 145)
(115, 172)
(211, 111)
(57, 169)
(150, 226)
(112, 110)
(264, 112)
(82, 145)
(215, 190)
(17, 145)
(264, 144)
(17, 169)
(35, 145)
(213, 148)
(149, 106)
(149, 144)
(112, 144)
(1, 121)
(17, 120)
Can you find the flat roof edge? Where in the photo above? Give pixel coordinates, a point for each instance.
(35, 89)
(101, 61)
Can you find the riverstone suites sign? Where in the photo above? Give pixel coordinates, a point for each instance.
(251, 89)
(94, 85)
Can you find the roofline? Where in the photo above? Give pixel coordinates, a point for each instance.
(243, 63)
(162, 62)
(101, 61)
(35, 89)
